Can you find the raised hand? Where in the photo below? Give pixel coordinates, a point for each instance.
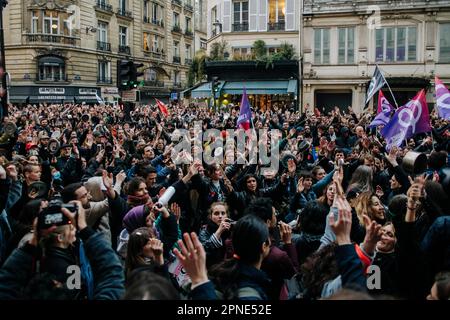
(285, 233)
(157, 248)
(120, 177)
(300, 186)
(176, 210)
(343, 225)
(193, 258)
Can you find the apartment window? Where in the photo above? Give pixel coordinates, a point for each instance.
(188, 52)
(154, 11)
(146, 10)
(396, 44)
(214, 28)
(123, 36)
(156, 41)
(51, 68)
(122, 5)
(203, 44)
(176, 19)
(51, 22)
(321, 46)
(103, 71)
(150, 75)
(146, 42)
(188, 24)
(346, 45)
(102, 32)
(177, 77)
(277, 9)
(240, 12)
(444, 42)
(176, 49)
(34, 21)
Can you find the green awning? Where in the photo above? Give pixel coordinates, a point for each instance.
(292, 87)
(261, 87)
(203, 91)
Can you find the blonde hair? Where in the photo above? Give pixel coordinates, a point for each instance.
(363, 206)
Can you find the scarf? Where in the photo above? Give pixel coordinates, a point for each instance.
(134, 201)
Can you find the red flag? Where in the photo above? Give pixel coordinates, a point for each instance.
(162, 107)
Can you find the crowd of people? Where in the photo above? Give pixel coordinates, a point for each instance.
(95, 205)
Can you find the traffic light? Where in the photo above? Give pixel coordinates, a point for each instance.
(127, 74)
(215, 86)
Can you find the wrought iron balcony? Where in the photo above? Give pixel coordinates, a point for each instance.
(187, 61)
(53, 38)
(124, 49)
(239, 27)
(188, 33)
(176, 59)
(124, 13)
(176, 28)
(51, 77)
(104, 80)
(103, 46)
(177, 84)
(276, 26)
(103, 5)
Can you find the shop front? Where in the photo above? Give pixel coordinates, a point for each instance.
(265, 88)
(54, 94)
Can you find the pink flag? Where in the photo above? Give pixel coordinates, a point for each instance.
(442, 99)
(407, 121)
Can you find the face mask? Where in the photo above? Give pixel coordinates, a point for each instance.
(57, 175)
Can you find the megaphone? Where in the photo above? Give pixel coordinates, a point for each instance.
(53, 146)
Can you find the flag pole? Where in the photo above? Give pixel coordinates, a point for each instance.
(389, 87)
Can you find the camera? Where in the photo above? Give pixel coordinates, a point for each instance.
(53, 216)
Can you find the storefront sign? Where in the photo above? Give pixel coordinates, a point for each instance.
(110, 90)
(87, 91)
(51, 91)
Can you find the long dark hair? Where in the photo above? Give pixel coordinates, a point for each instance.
(138, 239)
(249, 234)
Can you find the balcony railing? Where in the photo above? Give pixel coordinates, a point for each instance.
(276, 26)
(239, 27)
(154, 21)
(176, 28)
(188, 33)
(105, 80)
(103, 5)
(124, 49)
(177, 84)
(51, 38)
(154, 83)
(176, 59)
(177, 2)
(125, 13)
(188, 7)
(187, 61)
(103, 46)
(51, 78)
(156, 54)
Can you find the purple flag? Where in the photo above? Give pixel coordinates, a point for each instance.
(442, 99)
(245, 115)
(407, 121)
(384, 111)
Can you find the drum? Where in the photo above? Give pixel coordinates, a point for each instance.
(414, 162)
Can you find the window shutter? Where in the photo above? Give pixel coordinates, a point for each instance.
(262, 20)
(226, 16)
(290, 15)
(253, 15)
